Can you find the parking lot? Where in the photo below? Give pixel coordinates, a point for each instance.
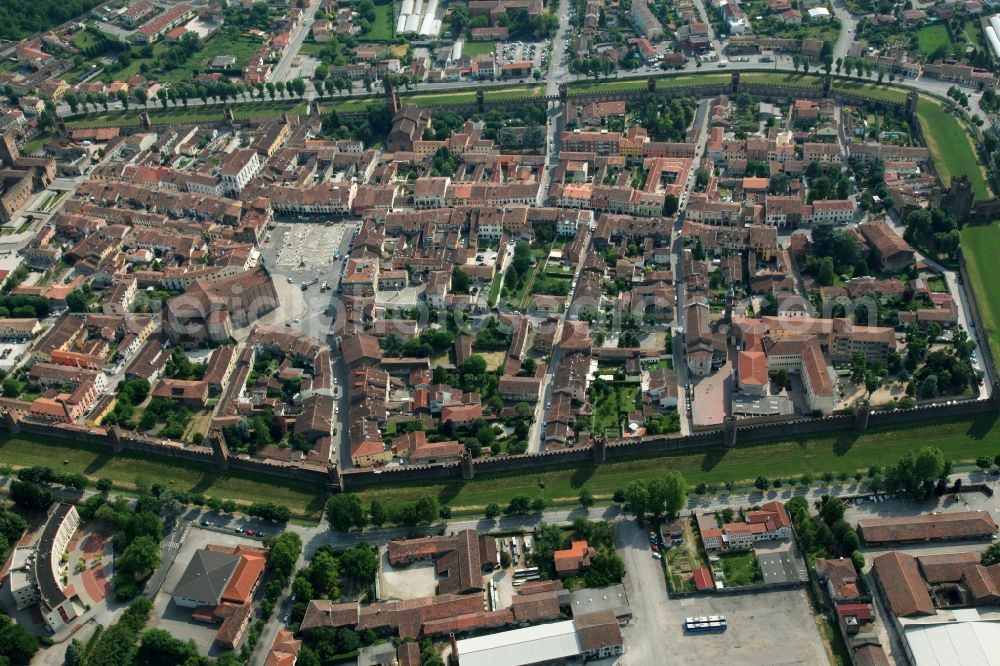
(11, 353)
(765, 628)
(308, 247)
(537, 53)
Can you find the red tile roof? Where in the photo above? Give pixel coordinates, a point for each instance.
(905, 590)
(574, 559)
(930, 527)
(703, 579)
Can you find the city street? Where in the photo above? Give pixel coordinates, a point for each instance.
(281, 70)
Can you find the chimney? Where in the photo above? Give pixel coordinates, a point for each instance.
(453, 659)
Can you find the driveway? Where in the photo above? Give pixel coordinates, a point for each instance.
(646, 587)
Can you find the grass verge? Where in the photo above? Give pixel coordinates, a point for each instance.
(961, 440)
(180, 114)
(951, 147)
(873, 90)
(123, 469)
(981, 247)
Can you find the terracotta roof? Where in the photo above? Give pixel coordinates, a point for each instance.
(946, 567)
(598, 630)
(939, 527)
(535, 607)
(703, 579)
(983, 582)
(904, 589)
(325, 613)
(362, 347)
(573, 559)
(753, 368)
(244, 580)
(870, 655)
(283, 650)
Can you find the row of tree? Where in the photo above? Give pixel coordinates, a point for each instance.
(660, 496)
(346, 511)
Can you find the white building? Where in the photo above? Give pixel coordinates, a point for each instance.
(588, 636)
(239, 168)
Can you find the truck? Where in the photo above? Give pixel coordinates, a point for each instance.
(323, 287)
(306, 285)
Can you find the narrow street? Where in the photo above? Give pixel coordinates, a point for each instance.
(700, 123)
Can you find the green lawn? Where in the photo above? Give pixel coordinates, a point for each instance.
(477, 48)
(951, 147)
(36, 143)
(84, 38)
(381, 29)
(679, 81)
(973, 31)
(433, 99)
(961, 440)
(932, 37)
(516, 92)
(495, 288)
(304, 500)
(873, 90)
(348, 104)
(981, 247)
(582, 87)
(611, 407)
(311, 48)
(782, 77)
(741, 569)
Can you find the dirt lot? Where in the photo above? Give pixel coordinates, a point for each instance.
(416, 580)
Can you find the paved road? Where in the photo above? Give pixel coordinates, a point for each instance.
(280, 72)
(703, 13)
(848, 30)
(645, 584)
(701, 119)
(780, 63)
